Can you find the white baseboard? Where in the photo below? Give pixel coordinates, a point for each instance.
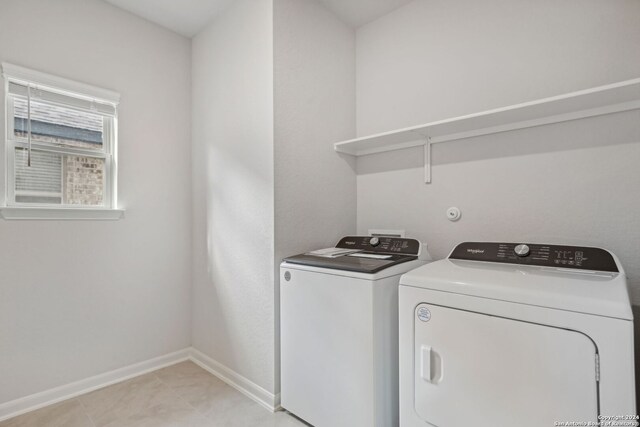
(237, 381)
(39, 400)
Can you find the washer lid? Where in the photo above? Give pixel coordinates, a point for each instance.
(362, 262)
(362, 254)
(590, 292)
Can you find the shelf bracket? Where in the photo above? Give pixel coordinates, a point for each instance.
(427, 160)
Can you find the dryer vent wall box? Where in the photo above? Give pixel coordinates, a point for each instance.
(515, 334)
(339, 331)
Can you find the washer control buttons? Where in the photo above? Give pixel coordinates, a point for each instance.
(522, 250)
(374, 241)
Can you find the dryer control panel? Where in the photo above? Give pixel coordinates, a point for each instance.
(575, 257)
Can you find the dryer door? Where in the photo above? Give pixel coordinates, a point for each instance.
(480, 370)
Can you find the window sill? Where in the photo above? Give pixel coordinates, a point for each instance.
(33, 213)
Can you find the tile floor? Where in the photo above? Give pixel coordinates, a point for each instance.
(182, 395)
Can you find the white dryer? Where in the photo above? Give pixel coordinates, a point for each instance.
(502, 334)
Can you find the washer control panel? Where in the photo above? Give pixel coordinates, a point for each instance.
(394, 245)
(576, 257)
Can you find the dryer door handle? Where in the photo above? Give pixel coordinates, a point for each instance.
(431, 369)
(425, 363)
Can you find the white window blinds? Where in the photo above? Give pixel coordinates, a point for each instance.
(76, 101)
(61, 141)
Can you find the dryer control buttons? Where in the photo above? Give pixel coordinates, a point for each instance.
(374, 241)
(522, 250)
(543, 255)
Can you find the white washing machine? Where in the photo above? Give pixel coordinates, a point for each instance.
(339, 331)
(503, 334)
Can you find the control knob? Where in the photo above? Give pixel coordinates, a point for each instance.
(522, 250)
(374, 241)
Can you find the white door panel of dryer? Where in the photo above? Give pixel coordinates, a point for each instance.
(325, 329)
(480, 370)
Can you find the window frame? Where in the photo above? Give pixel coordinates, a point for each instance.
(80, 92)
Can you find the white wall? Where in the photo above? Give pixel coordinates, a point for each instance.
(315, 189)
(574, 182)
(81, 298)
(232, 178)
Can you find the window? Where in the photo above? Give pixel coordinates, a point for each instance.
(60, 145)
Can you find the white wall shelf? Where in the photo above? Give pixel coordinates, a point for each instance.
(601, 100)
